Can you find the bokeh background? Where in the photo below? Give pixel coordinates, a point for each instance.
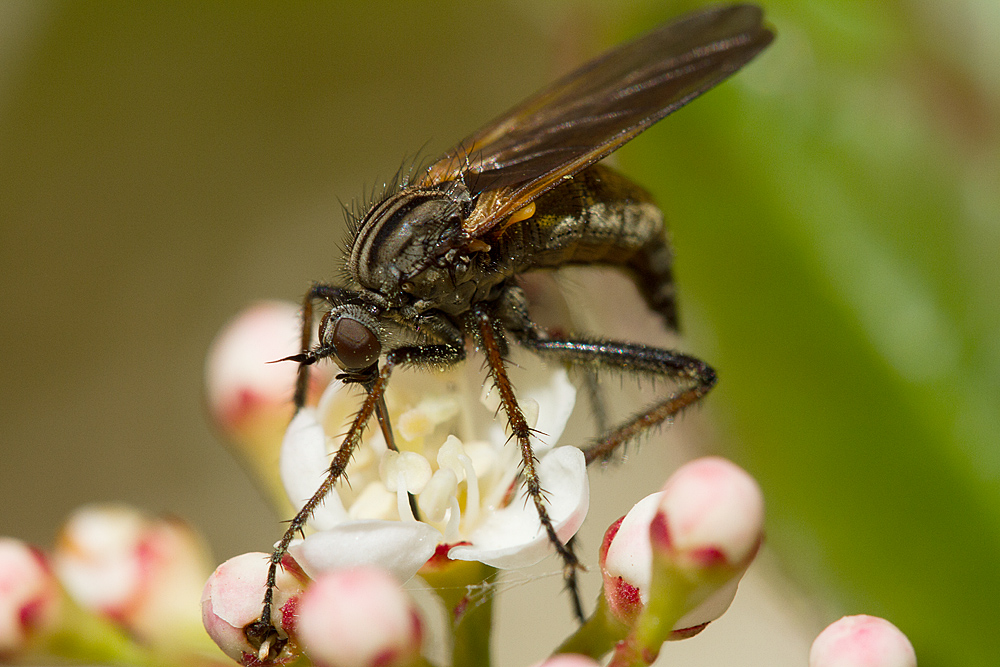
(835, 208)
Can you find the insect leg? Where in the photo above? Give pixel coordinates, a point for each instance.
(317, 291)
(493, 344)
(694, 377)
(261, 633)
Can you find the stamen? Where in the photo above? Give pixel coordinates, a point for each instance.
(434, 500)
(402, 473)
(440, 409)
(403, 498)
(414, 424)
(452, 456)
(471, 491)
(419, 422)
(451, 530)
(415, 468)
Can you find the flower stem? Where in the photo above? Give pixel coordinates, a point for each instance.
(669, 596)
(85, 637)
(598, 635)
(464, 587)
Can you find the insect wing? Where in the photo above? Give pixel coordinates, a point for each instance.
(591, 112)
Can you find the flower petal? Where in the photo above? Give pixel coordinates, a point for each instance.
(555, 395)
(630, 555)
(713, 607)
(512, 537)
(401, 547)
(304, 463)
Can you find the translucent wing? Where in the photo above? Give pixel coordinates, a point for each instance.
(593, 111)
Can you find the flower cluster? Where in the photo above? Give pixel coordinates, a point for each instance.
(387, 571)
(117, 587)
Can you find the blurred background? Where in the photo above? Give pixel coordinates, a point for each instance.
(835, 210)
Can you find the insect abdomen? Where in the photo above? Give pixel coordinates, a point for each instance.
(600, 217)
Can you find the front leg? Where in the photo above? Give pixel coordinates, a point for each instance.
(262, 633)
(494, 345)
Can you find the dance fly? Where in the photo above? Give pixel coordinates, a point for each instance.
(436, 263)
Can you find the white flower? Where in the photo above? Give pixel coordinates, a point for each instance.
(454, 458)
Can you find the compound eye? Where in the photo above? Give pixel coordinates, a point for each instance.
(357, 347)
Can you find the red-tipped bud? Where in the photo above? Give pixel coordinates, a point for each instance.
(29, 596)
(705, 525)
(249, 392)
(232, 600)
(141, 572)
(249, 397)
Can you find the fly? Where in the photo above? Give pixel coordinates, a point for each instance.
(437, 262)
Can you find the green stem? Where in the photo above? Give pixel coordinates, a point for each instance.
(85, 637)
(471, 615)
(598, 635)
(670, 591)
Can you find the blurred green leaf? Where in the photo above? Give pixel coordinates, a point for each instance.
(830, 208)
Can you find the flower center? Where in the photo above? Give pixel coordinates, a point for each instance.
(455, 483)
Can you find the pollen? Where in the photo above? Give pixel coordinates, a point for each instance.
(414, 425)
(419, 422)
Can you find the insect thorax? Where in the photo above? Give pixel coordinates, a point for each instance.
(411, 250)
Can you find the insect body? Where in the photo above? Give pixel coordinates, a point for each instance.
(436, 263)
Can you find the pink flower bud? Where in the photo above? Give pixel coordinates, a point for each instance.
(248, 396)
(708, 518)
(358, 617)
(29, 596)
(232, 600)
(710, 524)
(143, 573)
(711, 514)
(862, 641)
